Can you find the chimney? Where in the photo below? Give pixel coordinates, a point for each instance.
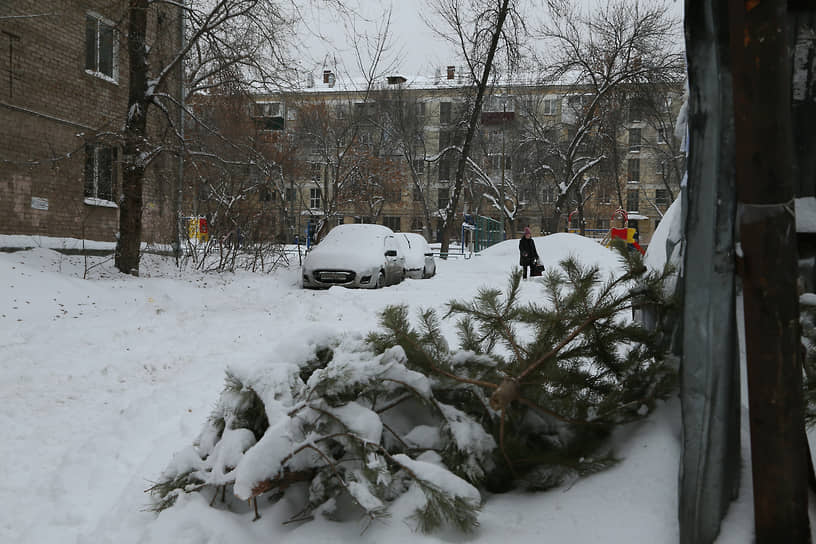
(451, 71)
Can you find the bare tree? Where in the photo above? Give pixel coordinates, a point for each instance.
(227, 44)
(402, 118)
(623, 46)
(239, 165)
(481, 30)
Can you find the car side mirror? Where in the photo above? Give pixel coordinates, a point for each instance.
(391, 253)
(429, 254)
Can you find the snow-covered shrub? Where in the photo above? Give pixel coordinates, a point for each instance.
(401, 421)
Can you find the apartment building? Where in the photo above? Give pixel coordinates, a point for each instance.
(385, 152)
(63, 102)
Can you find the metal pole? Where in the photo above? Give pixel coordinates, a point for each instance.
(764, 168)
(710, 468)
(501, 200)
(180, 182)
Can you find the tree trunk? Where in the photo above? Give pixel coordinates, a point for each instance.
(616, 171)
(450, 216)
(130, 206)
(764, 161)
(581, 222)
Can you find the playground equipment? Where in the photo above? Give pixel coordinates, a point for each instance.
(197, 229)
(627, 234)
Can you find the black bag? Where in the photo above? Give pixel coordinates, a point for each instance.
(536, 269)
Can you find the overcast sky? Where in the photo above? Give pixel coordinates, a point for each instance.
(412, 44)
(414, 48)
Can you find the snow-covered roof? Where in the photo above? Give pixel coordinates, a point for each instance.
(339, 83)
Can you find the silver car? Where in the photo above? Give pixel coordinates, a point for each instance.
(367, 256)
(419, 259)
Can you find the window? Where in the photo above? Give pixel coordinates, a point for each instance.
(419, 166)
(420, 109)
(575, 101)
(100, 47)
(364, 219)
(548, 195)
(265, 194)
(314, 198)
(662, 197)
(442, 197)
(550, 105)
(417, 194)
(633, 172)
(656, 224)
(603, 196)
(364, 110)
(603, 224)
(315, 171)
(272, 123)
(632, 200)
(364, 138)
(392, 222)
(634, 140)
(635, 112)
(11, 58)
(496, 163)
(444, 139)
(204, 191)
(100, 171)
(270, 115)
(661, 135)
(291, 194)
(268, 109)
(444, 169)
(547, 224)
(393, 194)
(444, 113)
(416, 224)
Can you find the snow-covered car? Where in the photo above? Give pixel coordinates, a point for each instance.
(367, 256)
(419, 259)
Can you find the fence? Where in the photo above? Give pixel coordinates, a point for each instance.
(480, 231)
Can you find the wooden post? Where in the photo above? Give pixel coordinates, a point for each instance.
(764, 174)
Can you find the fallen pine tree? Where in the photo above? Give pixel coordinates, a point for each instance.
(401, 422)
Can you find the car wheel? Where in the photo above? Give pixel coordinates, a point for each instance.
(380, 281)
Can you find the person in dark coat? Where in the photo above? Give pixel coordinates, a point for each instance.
(528, 255)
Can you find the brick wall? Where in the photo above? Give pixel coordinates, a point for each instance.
(49, 107)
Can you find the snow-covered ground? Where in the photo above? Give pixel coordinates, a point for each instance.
(103, 379)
